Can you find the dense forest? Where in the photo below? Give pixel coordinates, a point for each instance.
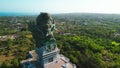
(89, 40)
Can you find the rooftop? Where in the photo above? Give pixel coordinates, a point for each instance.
(62, 62)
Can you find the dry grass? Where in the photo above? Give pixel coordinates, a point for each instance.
(5, 58)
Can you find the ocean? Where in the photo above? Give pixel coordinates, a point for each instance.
(16, 14)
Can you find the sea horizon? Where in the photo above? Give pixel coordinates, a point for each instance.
(34, 14)
(17, 14)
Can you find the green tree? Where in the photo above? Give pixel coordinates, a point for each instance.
(15, 63)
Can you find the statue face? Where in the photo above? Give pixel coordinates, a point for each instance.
(43, 18)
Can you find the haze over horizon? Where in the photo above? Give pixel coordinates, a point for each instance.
(61, 6)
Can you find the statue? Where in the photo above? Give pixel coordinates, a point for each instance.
(46, 53)
(42, 32)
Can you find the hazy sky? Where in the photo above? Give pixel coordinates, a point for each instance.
(60, 6)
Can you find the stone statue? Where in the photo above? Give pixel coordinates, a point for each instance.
(46, 53)
(42, 31)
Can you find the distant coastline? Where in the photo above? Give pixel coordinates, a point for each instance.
(17, 14)
(35, 14)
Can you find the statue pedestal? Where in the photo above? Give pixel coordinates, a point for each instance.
(45, 57)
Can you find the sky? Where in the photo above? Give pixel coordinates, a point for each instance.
(61, 6)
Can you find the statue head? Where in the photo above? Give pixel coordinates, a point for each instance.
(45, 23)
(43, 18)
